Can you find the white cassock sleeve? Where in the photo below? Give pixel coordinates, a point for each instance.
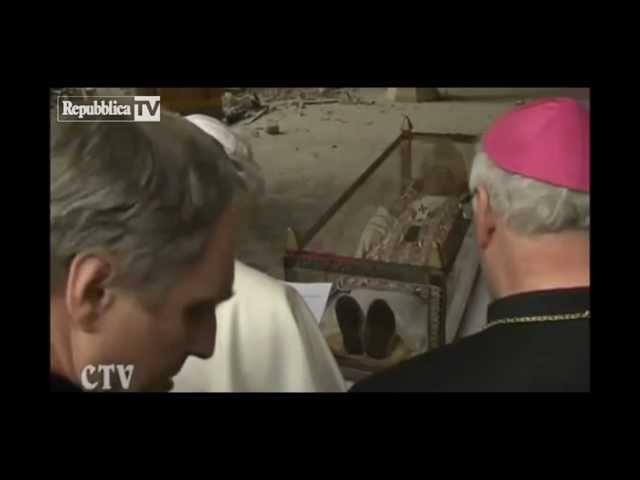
(267, 340)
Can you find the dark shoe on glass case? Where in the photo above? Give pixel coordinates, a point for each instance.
(379, 330)
(351, 322)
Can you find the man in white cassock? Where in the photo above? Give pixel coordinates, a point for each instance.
(267, 338)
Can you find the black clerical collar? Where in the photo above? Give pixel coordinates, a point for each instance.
(61, 384)
(561, 303)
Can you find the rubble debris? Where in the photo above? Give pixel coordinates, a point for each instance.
(350, 98)
(239, 107)
(320, 101)
(234, 117)
(272, 94)
(257, 115)
(248, 105)
(248, 100)
(273, 128)
(310, 96)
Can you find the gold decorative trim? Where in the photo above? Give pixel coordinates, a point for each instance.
(541, 318)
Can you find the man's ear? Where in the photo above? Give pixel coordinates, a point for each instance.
(87, 295)
(484, 218)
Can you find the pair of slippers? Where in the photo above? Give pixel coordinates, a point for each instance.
(373, 335)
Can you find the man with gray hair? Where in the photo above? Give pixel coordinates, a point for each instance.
(142, 237)
(530, 184)
(268, 340)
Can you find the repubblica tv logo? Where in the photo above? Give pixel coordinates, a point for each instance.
(108, 109)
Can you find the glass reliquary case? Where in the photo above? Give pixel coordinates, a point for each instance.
(398, 250)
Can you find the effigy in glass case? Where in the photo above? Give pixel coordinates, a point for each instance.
(399, 252)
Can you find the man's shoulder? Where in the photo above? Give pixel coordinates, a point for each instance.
(254, 282)
(504, 358)
(426, 372)
(61, 384)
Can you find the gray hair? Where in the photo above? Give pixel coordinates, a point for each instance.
(527, 205)
(147, 193)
